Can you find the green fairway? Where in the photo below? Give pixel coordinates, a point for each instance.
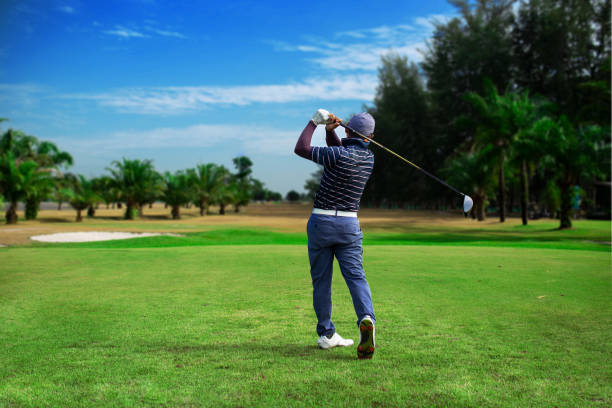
(587, 235)
(206, 320)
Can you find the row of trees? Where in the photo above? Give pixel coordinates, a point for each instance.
(508, 106)
(32, 171)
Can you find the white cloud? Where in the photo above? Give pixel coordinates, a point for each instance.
(149, 30)
(21, 94)
(361, 50)
(251, 139)
(176, 100)
(67, 9)
(123, 32)
(165, 33)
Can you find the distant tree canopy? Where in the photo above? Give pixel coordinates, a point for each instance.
(30, 172)
(494, 91)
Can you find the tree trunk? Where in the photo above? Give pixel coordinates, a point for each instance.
(222, 208)
(566, 205)
(129, 211)
(11, 213)
(176, 212)
(502, 192)
(202, 207)
(479, 202)
(140, 210)
(150, 205)
(31, 208)
(79, 217)
(59, 206)
(524, 191)
(91, 211)
(237, 208)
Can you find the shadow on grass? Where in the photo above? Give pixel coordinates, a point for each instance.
(54, 220)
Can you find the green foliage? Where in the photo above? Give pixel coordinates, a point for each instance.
(404, 124)
(178, 191)
(137, 183)
(205, 179)
(576, 153)
(312, 184)
(83, 195)
(243, 168)
(292, 196)
(17, 180)
(472, 172)
(461, 53)
(559, 45)
(48, 158)
(106, 188)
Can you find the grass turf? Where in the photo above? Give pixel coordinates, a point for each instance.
(586, 235)
(149, 322)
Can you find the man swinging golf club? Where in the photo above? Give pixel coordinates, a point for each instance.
(333, 227)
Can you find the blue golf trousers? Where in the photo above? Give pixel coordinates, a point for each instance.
(330, 236)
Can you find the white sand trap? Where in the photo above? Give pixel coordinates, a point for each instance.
(92, 236)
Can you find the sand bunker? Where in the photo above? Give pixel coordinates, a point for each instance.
(94, 236)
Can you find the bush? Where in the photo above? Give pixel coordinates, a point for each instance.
(292, 196)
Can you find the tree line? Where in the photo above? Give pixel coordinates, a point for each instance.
(511, 107)
(32, 171)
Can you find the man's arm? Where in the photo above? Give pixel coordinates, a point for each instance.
(302, 147)
(331, 138)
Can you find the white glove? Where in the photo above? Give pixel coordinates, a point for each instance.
(320, 117)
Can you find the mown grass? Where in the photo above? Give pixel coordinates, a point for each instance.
(207, 320)
(586, 235)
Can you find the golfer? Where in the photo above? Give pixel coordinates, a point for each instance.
(333, 227)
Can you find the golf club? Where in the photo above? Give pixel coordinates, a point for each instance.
(467, 200)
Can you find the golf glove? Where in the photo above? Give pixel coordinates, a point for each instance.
(320, 117)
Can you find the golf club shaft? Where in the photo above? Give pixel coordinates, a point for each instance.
(406, 160)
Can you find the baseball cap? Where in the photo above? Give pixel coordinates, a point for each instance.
(362, 123)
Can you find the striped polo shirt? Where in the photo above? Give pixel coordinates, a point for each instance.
(346, 169)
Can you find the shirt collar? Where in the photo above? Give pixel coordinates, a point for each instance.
(355, 141)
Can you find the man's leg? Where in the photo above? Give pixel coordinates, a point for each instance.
(350, 259)
(321, 264)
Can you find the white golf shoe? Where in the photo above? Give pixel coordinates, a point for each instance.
(335, 341)
(365, 349)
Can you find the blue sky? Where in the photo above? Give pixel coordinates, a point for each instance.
(186, 82)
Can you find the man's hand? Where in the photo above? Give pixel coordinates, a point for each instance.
(320, 117)
(333, 122)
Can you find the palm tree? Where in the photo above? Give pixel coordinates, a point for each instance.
(178, 191)
(61, 192)
(528, 148)
(16, 181)
(136, 181)
(472, 171)
(226, 190)
(575, 153)
(493, 129)
(510, 124)
(206, 179)
(46, 154)
(83, 196)
(105, 188)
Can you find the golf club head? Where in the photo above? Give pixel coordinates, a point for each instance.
(467, 204)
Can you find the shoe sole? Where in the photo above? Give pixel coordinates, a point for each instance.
(365, 349)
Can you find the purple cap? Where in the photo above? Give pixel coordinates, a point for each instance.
(362, 123)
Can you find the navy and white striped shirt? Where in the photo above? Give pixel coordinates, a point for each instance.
(347, 168)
